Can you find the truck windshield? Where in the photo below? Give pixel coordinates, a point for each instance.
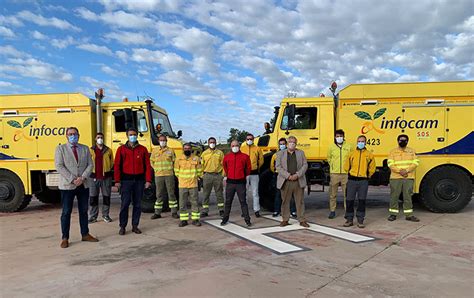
(161, 123)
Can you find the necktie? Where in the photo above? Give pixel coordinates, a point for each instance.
(74, 150)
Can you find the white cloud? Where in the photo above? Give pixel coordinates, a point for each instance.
(38, 35)
(111, 88)
(93, 48)
(144, 5)
(6, 32)
(166, 60)
(119, 19)
(10, 20)
(63, 42)
(50, 22)
(111, 71)
(34, 68)
(130, 38)
(123, 56)
(9, 50)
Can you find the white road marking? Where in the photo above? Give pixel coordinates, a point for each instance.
(260, 236)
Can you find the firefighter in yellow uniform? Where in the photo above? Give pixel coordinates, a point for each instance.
(212, 160)
(188, 169)
(162, 158)
(402, 162)
(256, 159)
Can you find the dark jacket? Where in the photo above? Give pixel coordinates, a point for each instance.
(132, 163)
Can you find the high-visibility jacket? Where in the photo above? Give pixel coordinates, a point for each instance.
(162, 160)
(255, 154)
(273, 162)
(107, 161)
(337, 156)
(360, 164)
(402, 158)
(212, 161)
(188, 170)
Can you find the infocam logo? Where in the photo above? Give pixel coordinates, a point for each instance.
(398, 123)
(34, 131)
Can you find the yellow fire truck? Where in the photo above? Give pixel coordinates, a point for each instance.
(438, 117)
(32, 125)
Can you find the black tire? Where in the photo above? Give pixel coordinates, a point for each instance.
(149, 199)
(446, 189)
(49, 196)
(12, 192)
(266, 190)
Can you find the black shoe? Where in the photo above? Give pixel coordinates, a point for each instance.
(174, 215)
(293, 214)
(122, 231)
(196, 223)
(136, 230)
(204, 214)
(221, 213)
(248, 223)
(275, 214)
(224, 222)
(412, 218)
(348, 223)
(183, 223)
(107, 218)
(392, 217)
(92, 220)
(155, 216)
(332, 214)
(242, 215)
(257, 214)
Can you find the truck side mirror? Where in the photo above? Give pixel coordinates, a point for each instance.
(180, 133)
(291, 116)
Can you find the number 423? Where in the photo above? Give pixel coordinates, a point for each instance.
(373, 142)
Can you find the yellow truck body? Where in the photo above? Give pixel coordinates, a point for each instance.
(438, 117)
(32, 125)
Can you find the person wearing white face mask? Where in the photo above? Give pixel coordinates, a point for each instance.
(212, 166)
(102, 173)
(256, 158)
(162, 159)
(338, 152)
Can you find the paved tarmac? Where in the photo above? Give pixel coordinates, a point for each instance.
(432, 258)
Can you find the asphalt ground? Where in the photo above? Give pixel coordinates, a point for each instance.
(431, 258)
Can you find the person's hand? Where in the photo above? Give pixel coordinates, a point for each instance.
(117, 185)
(147, 185)
(78, 181)
(403, 172)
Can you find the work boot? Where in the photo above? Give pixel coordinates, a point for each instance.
(122, 231)
(136, 230)
(107, 218)
(257, 214)
(183, 223)
(275, 214)
(293, 214)
(392, 217)
(304, 224)
(221, 213)
(155, 216)
(284, 223)
(348, 223)
(224, 222)
(92, 220)
(248, 223)
(360, 224)
(196, 223)
(174, 215)
(412, 218)
(89, 238)
(64, 243)
(332, 214)
(204, 214)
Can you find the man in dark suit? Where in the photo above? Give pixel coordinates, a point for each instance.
(74, 163)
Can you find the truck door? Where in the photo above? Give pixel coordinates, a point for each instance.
(425, 126)
(125, 118)
(304, 127)
(17, 139)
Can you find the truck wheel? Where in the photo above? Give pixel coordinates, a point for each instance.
(12, 192)
(49, 196)
(446, 189)
(266, 190)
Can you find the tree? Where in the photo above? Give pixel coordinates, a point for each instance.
(239, 135)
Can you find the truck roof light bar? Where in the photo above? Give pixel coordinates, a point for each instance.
(368, 102)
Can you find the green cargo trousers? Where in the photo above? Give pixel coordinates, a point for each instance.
(165, 184)
(185, 195)
(398, 186)
(213, 180)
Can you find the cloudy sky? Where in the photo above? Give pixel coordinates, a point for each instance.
(214, 65)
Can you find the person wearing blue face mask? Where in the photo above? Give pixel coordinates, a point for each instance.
(361, 166)
(133, 174)
(277, 203)
(73, 162)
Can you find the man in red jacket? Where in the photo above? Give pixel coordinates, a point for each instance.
(132, 171)
(237, 167)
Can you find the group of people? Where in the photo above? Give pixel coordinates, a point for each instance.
(85, 172)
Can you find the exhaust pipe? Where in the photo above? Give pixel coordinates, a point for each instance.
(99, 95)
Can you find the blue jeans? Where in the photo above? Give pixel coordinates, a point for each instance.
(277, 203)
(67, 200)
(131, 192)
